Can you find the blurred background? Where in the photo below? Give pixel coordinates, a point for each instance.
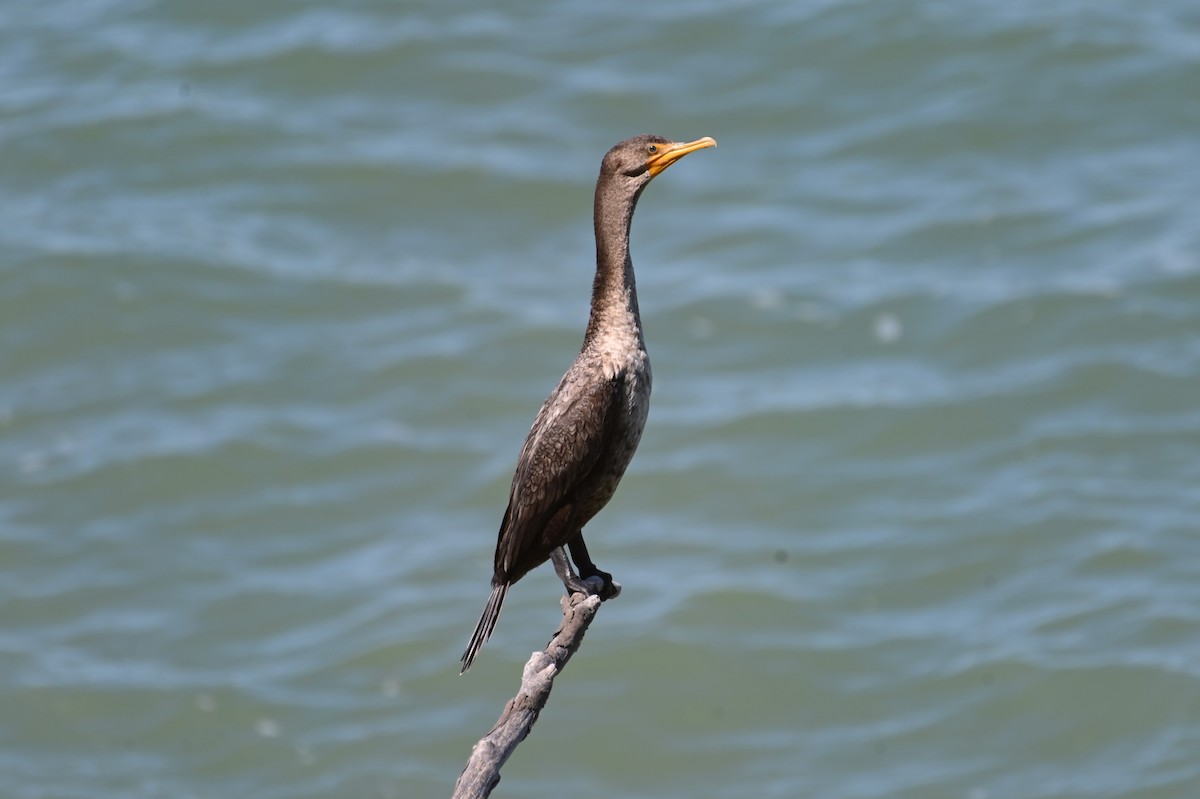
(915, 515)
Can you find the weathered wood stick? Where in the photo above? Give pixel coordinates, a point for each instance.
(482, 772)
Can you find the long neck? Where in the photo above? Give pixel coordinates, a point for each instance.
(614, 290)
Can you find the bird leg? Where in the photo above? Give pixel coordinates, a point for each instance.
(587, 569)
(603, 585)
(566, 573)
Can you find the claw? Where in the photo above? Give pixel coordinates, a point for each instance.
(603, 585)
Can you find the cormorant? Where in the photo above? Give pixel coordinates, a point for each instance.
(587, 430)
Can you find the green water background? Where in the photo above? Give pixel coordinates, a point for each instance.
(282, 285)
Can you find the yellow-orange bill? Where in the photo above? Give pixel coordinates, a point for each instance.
(671, 153)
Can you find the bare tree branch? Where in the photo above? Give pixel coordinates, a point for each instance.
(482, 772)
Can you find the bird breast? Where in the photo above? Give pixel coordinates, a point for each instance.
(618, 347)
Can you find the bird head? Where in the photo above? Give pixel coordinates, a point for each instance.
(643, 158)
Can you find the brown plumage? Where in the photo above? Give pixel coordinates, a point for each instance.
(587, 430)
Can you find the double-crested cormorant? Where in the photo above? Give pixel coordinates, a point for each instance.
(587, 430)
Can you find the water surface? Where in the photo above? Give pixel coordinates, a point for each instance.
(283, 285)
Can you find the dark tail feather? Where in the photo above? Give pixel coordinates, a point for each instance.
(487, 622)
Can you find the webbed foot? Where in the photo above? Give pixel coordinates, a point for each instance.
(603, 585)
(595, 582)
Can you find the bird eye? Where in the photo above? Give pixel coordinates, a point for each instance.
(652, 148)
